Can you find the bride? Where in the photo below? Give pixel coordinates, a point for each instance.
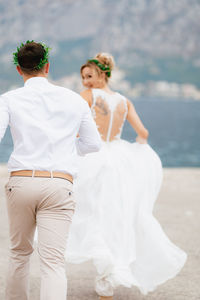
(116, 190)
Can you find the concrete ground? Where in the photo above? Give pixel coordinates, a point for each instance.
(177, 209)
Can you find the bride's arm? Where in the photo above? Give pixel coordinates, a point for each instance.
(87, 95)
(136, 123)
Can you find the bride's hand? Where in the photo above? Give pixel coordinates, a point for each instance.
(140, 140)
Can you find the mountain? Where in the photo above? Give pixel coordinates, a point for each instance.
(151, 40)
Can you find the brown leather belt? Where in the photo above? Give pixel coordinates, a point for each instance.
(37, 173)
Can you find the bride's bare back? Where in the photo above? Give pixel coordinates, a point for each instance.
(109, 112)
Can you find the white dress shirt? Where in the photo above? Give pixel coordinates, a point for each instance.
(44, 121)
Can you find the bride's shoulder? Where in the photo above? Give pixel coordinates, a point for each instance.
(120, 96)
(97, 92)
(87, 95)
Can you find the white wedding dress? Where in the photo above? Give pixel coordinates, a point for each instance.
(113, 223)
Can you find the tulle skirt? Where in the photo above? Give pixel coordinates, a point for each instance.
(113, 224)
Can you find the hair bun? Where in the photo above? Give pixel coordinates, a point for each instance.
(106, 59)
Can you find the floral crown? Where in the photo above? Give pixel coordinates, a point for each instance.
(101, 66)
(43, 60)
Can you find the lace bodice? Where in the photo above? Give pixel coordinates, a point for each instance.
(109, 112)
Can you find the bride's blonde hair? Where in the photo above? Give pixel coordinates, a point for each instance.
(103, 58)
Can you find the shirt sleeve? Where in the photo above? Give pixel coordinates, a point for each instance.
(89, 139)
(4, 116)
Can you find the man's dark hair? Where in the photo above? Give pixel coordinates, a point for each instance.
(29, 57)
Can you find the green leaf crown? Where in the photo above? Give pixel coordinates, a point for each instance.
(43, 60)
(101, 66)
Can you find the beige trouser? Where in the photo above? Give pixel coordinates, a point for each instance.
(49, 203)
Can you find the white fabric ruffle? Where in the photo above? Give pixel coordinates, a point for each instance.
(113, 224)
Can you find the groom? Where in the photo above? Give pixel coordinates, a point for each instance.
(44, 120)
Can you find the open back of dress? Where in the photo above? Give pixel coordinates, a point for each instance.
(109, 112)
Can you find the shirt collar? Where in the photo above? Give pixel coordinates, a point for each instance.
(36, 81)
